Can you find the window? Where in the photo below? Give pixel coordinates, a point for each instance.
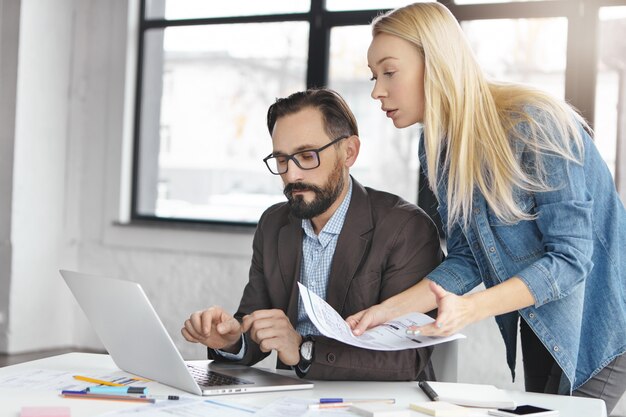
(364, 4)
(488, 1)
(208, 72)
(209, 108)
(199, 9)
(528, 51)
(610, 107)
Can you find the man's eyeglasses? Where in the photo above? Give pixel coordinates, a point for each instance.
(307, 159)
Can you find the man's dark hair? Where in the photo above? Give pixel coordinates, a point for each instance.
(338, 118)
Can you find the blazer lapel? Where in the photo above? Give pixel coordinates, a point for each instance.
(289, 261)
(352, 246)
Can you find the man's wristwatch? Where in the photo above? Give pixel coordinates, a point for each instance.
(306, 355)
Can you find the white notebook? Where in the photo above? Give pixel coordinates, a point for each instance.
(441, 409)
(472, 395)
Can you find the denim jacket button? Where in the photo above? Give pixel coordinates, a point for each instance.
(477, 211)
(531, 315)
(556, 348)
(492, 249)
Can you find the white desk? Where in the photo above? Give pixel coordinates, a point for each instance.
(12, 400)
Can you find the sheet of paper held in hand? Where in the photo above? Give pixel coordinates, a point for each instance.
(387, 336)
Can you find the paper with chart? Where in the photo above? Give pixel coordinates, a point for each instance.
(49, 379)
(387, 336)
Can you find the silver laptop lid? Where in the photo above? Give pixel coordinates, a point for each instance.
(131, 331)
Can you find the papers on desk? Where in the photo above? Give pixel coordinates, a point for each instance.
(472, 395)
(441, 409)
(48, 379)
(388, 336)
(299, 407)
(187, 407)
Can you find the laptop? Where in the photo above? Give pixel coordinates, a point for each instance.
(131, 331)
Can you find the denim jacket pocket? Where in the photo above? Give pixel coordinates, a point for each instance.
(522, 240)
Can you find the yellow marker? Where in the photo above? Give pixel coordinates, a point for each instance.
(97, 381)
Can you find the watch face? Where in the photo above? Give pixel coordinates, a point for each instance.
(306, 350)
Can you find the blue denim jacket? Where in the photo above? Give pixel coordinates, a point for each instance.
(572, 257)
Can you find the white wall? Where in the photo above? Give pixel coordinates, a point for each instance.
(37, 318)
(69, 186)
(9, 33)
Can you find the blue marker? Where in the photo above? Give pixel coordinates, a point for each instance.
(117, 390)
(73, 392)
(358, 400)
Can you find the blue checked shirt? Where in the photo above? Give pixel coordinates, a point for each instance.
(317, 258)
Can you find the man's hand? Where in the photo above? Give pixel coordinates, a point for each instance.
(417, 298)
(214, 328)
(370, 317)
(271, 330)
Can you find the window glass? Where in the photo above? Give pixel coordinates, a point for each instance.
(610, 84)
(529, 51)
(388, 156)
(195, 9)
(365, 4)
(489, 1)
(205, 94)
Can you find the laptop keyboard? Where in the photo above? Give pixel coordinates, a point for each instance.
(206, 378)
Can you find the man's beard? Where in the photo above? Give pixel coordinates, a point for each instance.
(324, 196)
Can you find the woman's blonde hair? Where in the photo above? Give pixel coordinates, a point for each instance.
(471, 124)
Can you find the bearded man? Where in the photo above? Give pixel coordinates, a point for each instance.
(351, 245)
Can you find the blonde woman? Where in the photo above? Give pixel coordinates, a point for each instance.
(528, 206)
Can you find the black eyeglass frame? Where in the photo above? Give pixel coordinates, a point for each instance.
(295, 161)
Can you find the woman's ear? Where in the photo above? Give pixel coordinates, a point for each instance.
(353, 145)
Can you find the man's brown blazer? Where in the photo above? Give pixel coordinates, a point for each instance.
(386, 245)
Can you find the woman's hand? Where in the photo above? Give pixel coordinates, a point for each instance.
(417, 298)
(454, 313)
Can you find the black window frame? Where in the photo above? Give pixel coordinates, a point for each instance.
(580, 70)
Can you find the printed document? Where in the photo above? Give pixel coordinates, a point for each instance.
(186, 407)
(48, 379)
(299, 407)
(387, 336)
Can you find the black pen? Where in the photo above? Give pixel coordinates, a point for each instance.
(428, 390)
